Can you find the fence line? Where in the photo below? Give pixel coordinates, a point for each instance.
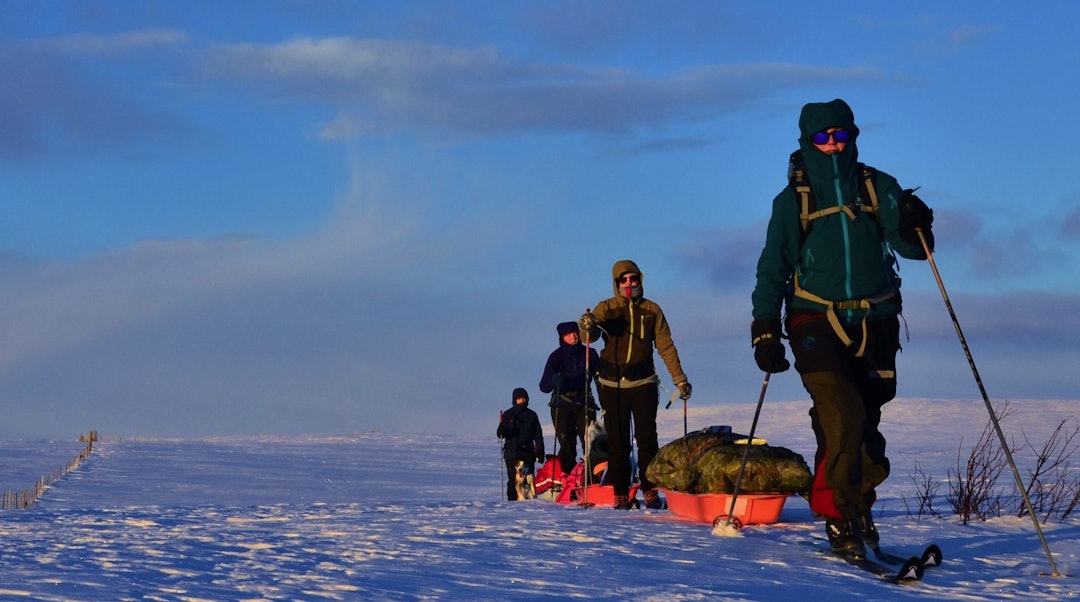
(26, 498)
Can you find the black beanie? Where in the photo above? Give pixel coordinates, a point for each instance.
(566, 328)
(519, 392)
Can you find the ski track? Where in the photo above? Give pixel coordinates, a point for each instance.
(382, 517)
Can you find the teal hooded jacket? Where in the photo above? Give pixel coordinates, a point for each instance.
(838, 258)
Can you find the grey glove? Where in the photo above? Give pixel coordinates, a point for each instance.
(586, 323)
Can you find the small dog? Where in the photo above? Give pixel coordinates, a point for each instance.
(523, 482)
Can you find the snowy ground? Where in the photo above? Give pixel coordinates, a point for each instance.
(373, 516)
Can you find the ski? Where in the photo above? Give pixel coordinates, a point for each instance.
(930, 557)
(910, 570)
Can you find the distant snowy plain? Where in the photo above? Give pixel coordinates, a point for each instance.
(379, 516)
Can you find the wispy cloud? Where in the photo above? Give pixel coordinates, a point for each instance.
(968, 33)
(63, 97)
(82, 44)
(404, 84)
(63, 305)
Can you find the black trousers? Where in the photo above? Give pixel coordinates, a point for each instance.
(848, 393)
(621, 407)
(570, 423)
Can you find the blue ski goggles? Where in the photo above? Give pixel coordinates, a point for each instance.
(822, 137)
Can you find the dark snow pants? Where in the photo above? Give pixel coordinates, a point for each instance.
(570, 422)
(848, 393)
(621, 406)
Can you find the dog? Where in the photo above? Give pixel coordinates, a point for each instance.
(523, 482)
(596, 440)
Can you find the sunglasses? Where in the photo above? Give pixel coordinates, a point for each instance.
(822, 137)
(630, 279)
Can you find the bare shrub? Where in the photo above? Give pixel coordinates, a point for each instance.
(1050, 487)
(973, 486)
(926, 490)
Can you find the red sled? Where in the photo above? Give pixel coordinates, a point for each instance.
(601, 495)
(750, 508)
(574, 490)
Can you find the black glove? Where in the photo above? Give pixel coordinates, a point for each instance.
(684, 391)
(556, 380)
(540, 459)
(768, 348)
(914, 214)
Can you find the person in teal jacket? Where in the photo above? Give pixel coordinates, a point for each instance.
(829, 265)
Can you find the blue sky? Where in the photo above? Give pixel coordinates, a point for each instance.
(275, 217)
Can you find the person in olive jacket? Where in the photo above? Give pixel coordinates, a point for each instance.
(829, 261)
(628, 385)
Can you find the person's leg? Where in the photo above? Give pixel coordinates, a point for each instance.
(875, 377)
(841, 417)
(511, 479)
(644, 403)
(876, 380)
(837, 418)
(580, 426)
(617, 427)
(565, 435)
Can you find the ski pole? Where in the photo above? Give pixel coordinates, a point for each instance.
(502, 459)
(684, 418)
(588, 439)
(555, 424)
(746, 452)
(989, 406)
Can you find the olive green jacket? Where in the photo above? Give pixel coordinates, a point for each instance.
(630, 328)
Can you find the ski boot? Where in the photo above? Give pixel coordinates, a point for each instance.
(625, 502)
(869, 532)
(844, 537)
(652, 500)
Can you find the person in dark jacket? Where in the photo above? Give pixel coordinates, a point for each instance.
(631, 326)
(572, 403)
(832, 269)
(522, 437)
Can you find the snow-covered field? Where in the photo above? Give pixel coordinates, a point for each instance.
(374, 516)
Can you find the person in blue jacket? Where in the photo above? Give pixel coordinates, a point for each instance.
(572, 404)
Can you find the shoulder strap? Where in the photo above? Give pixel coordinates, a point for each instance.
(869, 193)
(807, 210)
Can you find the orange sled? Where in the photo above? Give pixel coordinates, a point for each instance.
(750, 508)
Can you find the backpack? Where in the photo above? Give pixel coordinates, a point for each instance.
(808, 212)
(550, 475)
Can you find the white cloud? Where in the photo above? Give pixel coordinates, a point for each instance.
(402, 84)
